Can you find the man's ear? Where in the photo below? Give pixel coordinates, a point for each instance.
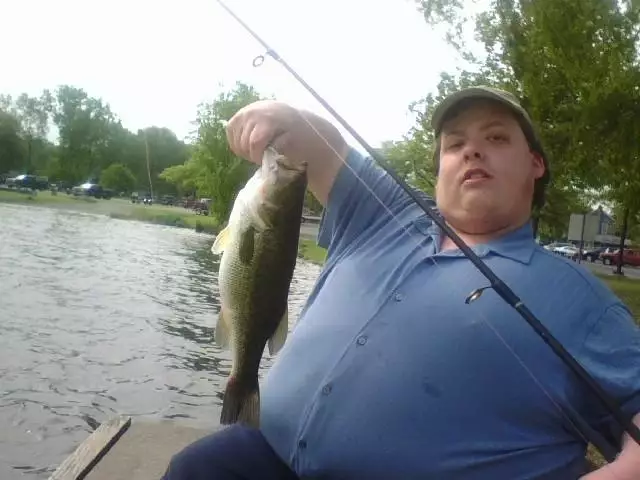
(538, 165)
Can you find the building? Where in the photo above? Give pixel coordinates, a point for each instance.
(599, 229)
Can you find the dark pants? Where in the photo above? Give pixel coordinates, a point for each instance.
(234, 453)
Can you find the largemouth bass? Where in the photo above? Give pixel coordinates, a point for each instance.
(259, 249)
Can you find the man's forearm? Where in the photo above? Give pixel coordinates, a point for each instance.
(626, 466)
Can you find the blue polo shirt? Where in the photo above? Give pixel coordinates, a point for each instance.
(390, 374)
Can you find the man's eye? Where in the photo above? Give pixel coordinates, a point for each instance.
(498, 137)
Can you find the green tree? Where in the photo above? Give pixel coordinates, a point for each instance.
(212, 170)
(84, 124)
(12, 148)
(165, 150)
(118, 177)
(574, 64)
(409, 159)
(91, 138)
(33, 114)
(312, 204)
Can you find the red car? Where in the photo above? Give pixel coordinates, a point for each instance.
(629, 257)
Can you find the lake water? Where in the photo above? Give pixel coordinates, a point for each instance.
(100, 317)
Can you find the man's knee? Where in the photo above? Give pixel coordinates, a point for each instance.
(232, 453)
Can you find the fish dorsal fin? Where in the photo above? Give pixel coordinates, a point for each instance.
(222, 333)
(276, 342)
(247, 245)
(221, 241)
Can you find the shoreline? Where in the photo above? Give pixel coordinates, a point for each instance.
(119, 208)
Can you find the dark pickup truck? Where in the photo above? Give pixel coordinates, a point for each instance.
(28, 181)
(93, 190)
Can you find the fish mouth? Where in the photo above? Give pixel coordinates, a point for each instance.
(475, 174)
(272, 161)
(288, 164)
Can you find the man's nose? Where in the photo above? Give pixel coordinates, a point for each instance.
(472, 150)
(472, 153)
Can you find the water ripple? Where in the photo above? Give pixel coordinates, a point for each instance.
(101, 317)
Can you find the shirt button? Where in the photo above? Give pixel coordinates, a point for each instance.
(326, 390)
(398, 297)
(302, 444)
(362, 340)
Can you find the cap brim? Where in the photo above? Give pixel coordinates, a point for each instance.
(452, 100)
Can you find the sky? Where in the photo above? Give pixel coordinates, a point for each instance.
(154, 62)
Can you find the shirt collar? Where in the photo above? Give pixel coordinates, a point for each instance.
(517, 245)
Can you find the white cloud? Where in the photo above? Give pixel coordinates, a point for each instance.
(155, 61)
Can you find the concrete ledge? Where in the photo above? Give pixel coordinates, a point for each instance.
(122, 449)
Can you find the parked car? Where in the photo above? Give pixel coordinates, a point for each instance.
(93, 190)
(29, 181)
(593, 253)
(567, 251)
(201, 207)
(168, 200)
(630, 257)
(555, 245)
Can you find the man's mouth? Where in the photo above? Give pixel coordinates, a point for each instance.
(475, 174)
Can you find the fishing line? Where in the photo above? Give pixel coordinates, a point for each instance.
(610, 404)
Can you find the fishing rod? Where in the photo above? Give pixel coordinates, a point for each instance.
(608, 451)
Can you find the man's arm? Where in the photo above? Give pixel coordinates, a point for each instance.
(626, 466)
(611, 353)
(353, 189)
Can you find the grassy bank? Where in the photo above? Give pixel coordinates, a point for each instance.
(41, 198)
(628, 290)
(169, 216)
(116, 208)
(311, 252)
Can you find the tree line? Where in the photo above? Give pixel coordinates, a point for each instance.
(92, 144)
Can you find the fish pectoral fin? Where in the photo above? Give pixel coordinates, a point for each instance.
(276, 342)
(221, 240)
(247, 245)
(222, 333)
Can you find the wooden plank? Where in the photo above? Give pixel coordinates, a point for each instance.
(90, 452)
(144, 452)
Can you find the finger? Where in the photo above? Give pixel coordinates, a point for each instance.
(281, 141)
(261, 135)
(230, 131)
(245, 141)
(238, 134)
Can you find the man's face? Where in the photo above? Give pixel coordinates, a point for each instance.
(487, 171)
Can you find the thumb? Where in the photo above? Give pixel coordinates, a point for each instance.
(281, 142)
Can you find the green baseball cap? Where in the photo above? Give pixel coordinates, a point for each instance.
(456, 101)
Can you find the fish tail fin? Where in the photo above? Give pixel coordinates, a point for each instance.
(241, 403)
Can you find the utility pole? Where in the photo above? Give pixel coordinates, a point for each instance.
(584, 220)
(146, 146)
